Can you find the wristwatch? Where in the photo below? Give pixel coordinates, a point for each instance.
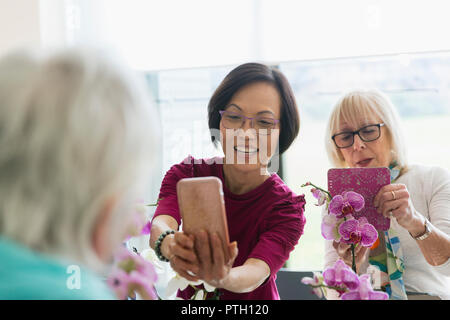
(426, 233)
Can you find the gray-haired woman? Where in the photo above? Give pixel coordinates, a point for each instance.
(76, 141)
(364, 131)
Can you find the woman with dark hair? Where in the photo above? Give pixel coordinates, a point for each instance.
(254, 116)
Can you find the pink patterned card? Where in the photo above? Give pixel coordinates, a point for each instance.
(365, 181)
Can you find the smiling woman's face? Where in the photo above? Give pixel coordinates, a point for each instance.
(243, 147)
(371, 154)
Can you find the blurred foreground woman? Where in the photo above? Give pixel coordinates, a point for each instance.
(76, 136)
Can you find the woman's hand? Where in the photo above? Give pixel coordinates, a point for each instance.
(179, 249)
(345, 253)
(215, 259)
(393, 201)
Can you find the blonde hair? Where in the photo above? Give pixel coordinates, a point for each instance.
(75, 132)
(358, 105)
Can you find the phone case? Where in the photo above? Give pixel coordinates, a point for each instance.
(365, 181)
(202, 206)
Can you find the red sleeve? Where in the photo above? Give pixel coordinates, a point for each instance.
(282, 230)
(168, 202)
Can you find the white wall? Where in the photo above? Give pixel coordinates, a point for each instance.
(154, 34)
(19, 24)
(171, 34)
(54, 22)
(36, 23)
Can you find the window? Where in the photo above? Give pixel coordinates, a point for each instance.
(182, 98)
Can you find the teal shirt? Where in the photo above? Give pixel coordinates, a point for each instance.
(29, 275)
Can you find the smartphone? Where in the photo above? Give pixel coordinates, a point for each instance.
(365, 181)
(202, 206)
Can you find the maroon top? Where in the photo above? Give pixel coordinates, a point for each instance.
(266, 222)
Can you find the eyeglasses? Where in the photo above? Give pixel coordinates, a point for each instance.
(233, 120)
(368, 133)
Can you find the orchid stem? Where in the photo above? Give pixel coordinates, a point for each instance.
(319, 188)
(154, 204)
(353, 258)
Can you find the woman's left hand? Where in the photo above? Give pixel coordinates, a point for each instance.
(393, 200)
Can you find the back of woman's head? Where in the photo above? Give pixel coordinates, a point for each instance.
(76, 135)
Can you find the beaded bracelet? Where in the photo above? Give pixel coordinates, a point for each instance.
(158, 245)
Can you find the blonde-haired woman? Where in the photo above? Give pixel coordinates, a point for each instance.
(364, 130)
(76, 140)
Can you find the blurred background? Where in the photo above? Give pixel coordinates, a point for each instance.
(185, 48)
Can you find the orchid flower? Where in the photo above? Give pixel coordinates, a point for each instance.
(141, 211)
(180, 283)
(365, 291)
(320, 196)
(330, 227)
(139, 283)
(346, 204)
(341, 281)
(138, 224)
(118, 282)
(147, 227)
(340, 276)
(150, 256)
(129, 262)
(318, 193)
(132, 273)
(316, 283)
(358, 231)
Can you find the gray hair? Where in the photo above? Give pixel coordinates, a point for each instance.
(366, 104)
(75, 132)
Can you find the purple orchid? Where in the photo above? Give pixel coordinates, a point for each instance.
(346, 204)
(364, 291)
(126, 284)
(118, 282)
(146, 229)
(129, 261)
(132, 273)
(341, 276)
(340, 226)
(330, 227)
(316, 283)
(320, 196)
(138, 223)
(358, 231)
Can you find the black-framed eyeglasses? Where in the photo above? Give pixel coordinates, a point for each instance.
(234, 120)
(368, 133)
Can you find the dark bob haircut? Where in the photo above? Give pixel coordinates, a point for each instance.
(249, 73)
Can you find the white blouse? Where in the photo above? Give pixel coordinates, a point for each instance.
(429, 189)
